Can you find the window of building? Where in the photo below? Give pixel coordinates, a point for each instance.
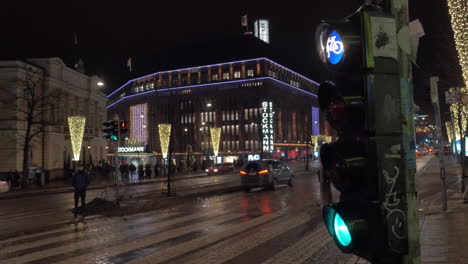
(226, 76)
(250, 73)
(214, 77)
(237, 75)
(246, 114)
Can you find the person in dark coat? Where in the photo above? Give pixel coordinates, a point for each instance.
(80, 181)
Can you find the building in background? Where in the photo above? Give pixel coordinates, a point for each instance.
(262, 30)
(74, 94)
(262, 108)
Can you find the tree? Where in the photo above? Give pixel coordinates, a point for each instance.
(28, 101)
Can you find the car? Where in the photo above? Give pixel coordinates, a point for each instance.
(220, 168)
(266, 173)
(4, 186)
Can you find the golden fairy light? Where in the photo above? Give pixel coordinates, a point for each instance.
(76, 125)
(164, 137)
(458, 10)
(215, 138)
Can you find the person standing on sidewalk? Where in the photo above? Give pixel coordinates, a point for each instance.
(80, 181)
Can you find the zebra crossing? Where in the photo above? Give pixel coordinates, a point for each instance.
(263, 227)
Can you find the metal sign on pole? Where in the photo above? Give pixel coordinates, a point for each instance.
(438, 125)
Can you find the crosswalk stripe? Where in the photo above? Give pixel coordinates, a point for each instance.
(90, 233)
(306, 246)
(76, 226)
(256, 239)
(111, 238)
(199, 242)
(95, 256)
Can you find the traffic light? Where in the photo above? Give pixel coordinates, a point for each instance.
(111, 130)
(356, 222)
(123, 126)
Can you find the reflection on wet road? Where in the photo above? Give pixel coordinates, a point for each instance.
(264, 226)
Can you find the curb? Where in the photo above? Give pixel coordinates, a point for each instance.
(58, 190)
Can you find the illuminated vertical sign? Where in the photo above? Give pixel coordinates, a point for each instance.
(139, 122)
(267, 126)
(315, 121)
(262, 30)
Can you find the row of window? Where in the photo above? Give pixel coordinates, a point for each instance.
(230, 115)
(232, 145)
(175, 81)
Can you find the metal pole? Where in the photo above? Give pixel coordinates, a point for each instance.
(400, 9)
(117, 155)
(435, 102)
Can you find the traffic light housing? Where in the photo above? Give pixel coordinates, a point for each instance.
(356, 222)
(111, 130)
(123, 126)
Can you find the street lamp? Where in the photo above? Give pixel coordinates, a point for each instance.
(100, 83)
(208, 105)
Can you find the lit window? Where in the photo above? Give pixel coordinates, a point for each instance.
(237, 75)
(225, 75)
(250, 73)
(215, 77)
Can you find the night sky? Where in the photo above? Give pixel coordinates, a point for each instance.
(111, 31)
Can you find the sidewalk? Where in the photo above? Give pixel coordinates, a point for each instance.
(444, 235)
(105, 181)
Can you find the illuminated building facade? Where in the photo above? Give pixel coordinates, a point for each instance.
(260, 107)
(77, 95)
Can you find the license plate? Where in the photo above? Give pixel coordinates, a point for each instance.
(252, 173)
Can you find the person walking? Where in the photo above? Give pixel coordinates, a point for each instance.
(80, 181)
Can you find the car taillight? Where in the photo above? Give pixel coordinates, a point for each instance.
(263, 171)
(5, 183)
(243, 172)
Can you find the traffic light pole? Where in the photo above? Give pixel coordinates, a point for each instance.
(400, 9)
(435, 102)
(117, 155)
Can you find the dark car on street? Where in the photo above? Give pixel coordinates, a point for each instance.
(266, 173)
(220, 168)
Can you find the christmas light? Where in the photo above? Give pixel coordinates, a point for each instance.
(76, 125)
(458, 10)
(164, 137)
(215, 138)
(138, 122)
(459, 113)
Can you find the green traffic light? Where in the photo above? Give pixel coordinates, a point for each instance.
(341, 231)
(114, 138)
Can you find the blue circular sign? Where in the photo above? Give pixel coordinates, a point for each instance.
(334, 48)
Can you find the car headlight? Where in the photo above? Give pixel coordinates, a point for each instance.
(207, 170)
(215, 170)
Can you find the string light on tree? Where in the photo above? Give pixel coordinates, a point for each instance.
(215, 138)
(458, 10)
(76, 125)
(164, 137)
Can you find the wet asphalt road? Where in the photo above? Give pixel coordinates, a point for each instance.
(261, 226)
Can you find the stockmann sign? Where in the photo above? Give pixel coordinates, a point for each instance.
(130, 149)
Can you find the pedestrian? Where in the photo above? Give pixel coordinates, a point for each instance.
(156, 170)
(80, 181)
(148, 171)
(132, 169)
(16, 180)
(9, 178)
(141, 171)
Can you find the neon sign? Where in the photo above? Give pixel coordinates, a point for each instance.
(334, 48)
(130, 149)
(267, 126)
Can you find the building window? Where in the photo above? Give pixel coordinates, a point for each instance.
(225, 75)
(214, 77)
(237, 75)
(250, 73)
